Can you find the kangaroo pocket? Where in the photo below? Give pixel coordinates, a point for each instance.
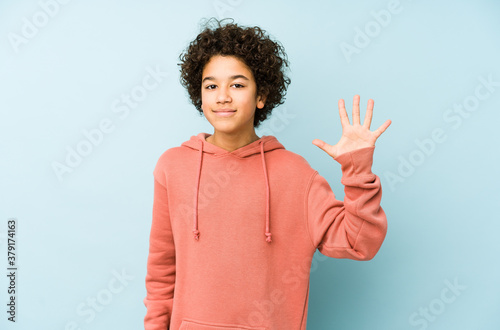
(197, 325)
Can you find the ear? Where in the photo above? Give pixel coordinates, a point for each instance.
(261, 101)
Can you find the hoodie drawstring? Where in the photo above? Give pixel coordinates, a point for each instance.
(196, 232)
(267, 233)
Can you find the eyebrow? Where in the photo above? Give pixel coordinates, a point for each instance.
(232, 78)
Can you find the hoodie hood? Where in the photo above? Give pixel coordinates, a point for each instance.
(261, 146)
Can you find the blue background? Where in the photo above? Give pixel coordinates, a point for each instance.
(75, 233)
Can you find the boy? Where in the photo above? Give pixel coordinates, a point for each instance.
(237, 217)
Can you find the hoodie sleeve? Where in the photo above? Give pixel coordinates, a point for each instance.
(160, 277)
(355, 228)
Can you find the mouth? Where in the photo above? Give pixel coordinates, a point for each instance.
(224, 112)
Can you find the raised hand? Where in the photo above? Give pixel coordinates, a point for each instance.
(355, 136)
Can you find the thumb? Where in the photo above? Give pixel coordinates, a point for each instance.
(329, 149)
(321, 144)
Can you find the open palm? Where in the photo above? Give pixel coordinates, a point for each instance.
(355, 136)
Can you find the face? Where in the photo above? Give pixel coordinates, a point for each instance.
(228, 84)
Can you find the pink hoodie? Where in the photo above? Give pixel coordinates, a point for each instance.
(233, 234)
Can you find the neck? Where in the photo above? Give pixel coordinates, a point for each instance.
(231, 142)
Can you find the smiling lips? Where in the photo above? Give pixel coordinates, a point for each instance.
(224, 112)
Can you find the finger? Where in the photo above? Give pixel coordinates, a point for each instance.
(355, 110)
(382, 128)
(344, 119)
(369, 114)
(320, 144)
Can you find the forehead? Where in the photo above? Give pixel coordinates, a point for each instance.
(225, 66)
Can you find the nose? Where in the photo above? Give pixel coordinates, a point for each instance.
(223, 95)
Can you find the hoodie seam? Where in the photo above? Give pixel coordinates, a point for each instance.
(161, 184)
(251, 152)
(357, 236)
(244, 153)
(306, 208)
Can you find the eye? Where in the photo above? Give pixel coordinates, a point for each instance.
(209, 86)
(240, 85)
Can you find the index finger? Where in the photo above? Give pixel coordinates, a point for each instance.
(368, 114)
(344, 119)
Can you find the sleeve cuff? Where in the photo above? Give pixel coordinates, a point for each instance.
(357, 162)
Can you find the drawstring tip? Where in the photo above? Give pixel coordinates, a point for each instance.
(268, 239)
(196, 234)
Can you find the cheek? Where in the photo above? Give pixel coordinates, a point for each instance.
(204, 101)
(250, 105)
(247, 100)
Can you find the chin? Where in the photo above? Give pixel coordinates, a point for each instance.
(224, 129)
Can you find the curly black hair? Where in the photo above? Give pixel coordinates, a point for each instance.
(265, 58)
